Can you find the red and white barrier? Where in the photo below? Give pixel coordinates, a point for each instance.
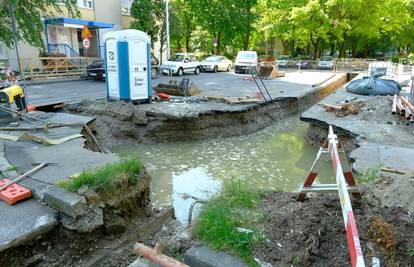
(351, 230)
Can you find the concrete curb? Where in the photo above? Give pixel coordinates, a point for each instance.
(205, 257)
(65, 80)
(71, 204)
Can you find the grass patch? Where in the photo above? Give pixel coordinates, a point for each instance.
(369, 175)
(410, 251)
(12, 169)
(124, 172)
(219, 218)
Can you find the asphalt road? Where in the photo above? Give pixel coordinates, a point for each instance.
(212, 84)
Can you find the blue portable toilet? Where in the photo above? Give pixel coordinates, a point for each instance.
(128, 65)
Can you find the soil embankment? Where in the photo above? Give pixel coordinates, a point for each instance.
(312, 233)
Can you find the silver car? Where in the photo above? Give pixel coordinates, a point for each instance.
(216, 63)
(325, 63)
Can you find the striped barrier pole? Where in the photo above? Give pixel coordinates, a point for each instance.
(354, 244)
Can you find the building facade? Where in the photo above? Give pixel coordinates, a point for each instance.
(63, 32)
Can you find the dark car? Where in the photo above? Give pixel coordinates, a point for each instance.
(304, 62)
(96, 69)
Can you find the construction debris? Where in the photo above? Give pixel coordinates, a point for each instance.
(269, 71)
(156, 256)
(403, 107)
(184, 88)
(343, 109)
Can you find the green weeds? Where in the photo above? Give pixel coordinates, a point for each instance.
(370, 174)
(124, 172)
(219, 219)
(410, 251)
(12, 168)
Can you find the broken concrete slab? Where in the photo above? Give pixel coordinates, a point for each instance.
(372, 155)
(92, 219)
(374, 122)
(71, 158)
(24, 221)
(205, 257)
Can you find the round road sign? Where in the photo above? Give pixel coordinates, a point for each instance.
(86, 43)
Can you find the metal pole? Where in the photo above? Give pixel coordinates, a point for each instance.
(14, 30)
(167, 26)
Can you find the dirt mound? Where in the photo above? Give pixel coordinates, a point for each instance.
(312, 233)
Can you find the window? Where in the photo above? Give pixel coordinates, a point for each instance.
(61, 2)
(85, 3)
(126, 7)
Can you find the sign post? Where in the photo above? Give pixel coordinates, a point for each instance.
(86, 42)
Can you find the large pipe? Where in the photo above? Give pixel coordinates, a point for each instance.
(156, 256)
(394, 105)
(407, 103)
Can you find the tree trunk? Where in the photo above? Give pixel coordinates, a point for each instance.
(293, 45)
(354, 48)
(342, 49)
(285, 44)
(246, 40)
(187, 42)
(333, 49)
(219, 42)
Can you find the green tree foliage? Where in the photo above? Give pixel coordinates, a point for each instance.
(346, 27)
(28, 14)
(182, 24)
(148, 17)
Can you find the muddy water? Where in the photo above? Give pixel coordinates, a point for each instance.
(276, 158)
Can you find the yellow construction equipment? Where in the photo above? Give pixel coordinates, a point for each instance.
(9, 96)
(13, 94)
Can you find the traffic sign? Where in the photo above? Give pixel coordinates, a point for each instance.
(86, 43)
(86, 34)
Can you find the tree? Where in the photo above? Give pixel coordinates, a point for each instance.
(244, 11)
(28, 15)
(148, 17)
(182, 24)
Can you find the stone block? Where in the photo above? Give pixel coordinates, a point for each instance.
(66, 202)
(205, 257)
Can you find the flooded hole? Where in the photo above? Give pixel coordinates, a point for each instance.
(277, 158)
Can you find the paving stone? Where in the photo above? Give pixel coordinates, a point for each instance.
(24, 221)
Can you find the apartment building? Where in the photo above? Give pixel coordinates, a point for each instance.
(62, 31)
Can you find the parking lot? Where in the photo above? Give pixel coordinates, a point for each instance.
(219, 84)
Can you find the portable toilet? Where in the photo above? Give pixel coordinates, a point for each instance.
(128, 65)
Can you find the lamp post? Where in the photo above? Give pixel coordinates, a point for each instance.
(167, 26)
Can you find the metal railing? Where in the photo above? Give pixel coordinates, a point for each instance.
(62, 49)
(55, 67)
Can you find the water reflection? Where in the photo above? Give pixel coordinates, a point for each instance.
(277, 158)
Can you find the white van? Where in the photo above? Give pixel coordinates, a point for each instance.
(245, 62)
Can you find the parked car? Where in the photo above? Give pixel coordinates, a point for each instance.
(96, 69)
(325, 62)
(284, 61)
(216, 63)
(246, 61)
(181, 63)
(304, 62)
